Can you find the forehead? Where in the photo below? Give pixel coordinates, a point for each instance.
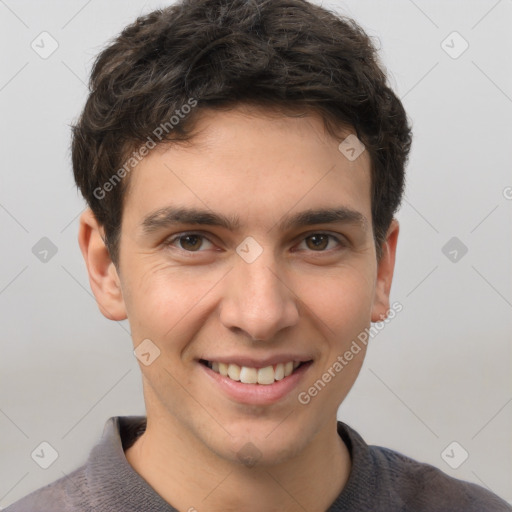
(249, 162)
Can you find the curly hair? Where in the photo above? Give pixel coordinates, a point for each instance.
(286, 55)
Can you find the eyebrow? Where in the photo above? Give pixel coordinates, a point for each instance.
(170, 216)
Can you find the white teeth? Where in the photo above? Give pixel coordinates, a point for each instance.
(247, 375)
(223, 369)
(234, 372)
(266, 375)
(279, 373)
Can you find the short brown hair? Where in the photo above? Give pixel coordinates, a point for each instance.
(288, 55)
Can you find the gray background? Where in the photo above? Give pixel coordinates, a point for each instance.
(439, 372)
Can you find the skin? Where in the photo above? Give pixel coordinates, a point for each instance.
(295, 298)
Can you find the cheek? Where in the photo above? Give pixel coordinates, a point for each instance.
(165, 303)
(162, 301)
(341, 302)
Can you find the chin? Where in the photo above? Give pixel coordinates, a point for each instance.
(268, 444)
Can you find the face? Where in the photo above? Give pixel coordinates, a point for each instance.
(251, 283)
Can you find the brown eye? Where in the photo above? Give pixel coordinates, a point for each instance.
(189, 242)
(319, 242)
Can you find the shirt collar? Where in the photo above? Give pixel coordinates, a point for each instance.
(113, 481)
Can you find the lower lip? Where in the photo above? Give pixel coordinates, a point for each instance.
(257, 394)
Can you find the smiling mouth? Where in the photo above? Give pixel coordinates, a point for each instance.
(247, 375)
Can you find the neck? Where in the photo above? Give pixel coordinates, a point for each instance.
(189, 476)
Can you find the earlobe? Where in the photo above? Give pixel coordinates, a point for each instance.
(385, 270)
(103, 276)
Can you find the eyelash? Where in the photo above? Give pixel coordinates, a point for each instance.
(177, 237)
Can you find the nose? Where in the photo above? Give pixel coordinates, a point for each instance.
(258, 300)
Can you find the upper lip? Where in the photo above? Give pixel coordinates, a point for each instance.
(252, 362)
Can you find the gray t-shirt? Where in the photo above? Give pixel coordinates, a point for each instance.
(381, 480)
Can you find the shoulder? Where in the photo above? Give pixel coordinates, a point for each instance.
(63, 495)
(102, 483)
(420, 486)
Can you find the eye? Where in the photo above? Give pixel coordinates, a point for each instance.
(190, 242)
(318, 242)
(193, 242)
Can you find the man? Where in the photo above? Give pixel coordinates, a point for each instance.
(243, 161)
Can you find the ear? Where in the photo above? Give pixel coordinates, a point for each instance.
(385, 269)
(103, 276)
